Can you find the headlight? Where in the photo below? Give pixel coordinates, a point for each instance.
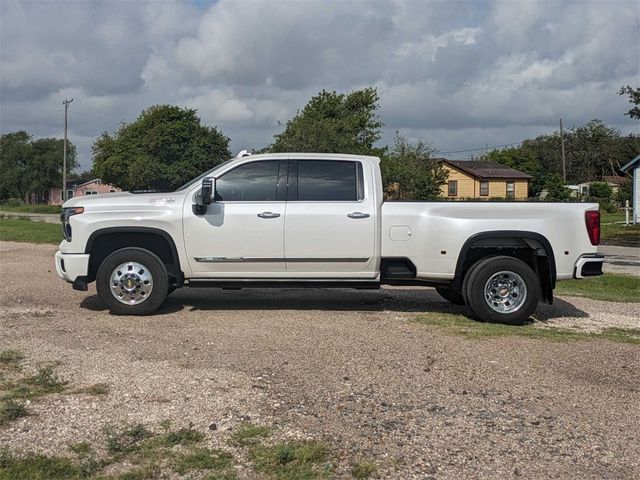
(64, 218)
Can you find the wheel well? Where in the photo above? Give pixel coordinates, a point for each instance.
(103, 243)
(530, 247)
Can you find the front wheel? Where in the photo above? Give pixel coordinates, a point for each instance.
(502, 290)
(132, 281)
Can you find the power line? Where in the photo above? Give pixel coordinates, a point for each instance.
(482, 148)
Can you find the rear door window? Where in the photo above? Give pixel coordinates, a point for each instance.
(329, 181)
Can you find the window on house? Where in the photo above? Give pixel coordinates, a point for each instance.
(91, 192)
(112, 191)
(452, 190)
(511, 190)
(69, 194)
(484, 188)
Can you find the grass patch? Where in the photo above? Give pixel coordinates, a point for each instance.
(610, 287)
(617, 233)
(31, 208)
(291, 460)
(363, 470)
(463, 326)
(25, 230)
(13, 391)
(147, 472)
(203, 459)
(184, 436)
(42, 383)
(10, 357)
(12, 410)
(126, 440)
(39, 467)
(82, 448)
(96, 389)
(249, 434)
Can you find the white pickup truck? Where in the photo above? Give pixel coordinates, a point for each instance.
(319, 220)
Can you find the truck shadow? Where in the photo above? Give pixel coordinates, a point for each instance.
(406, 299)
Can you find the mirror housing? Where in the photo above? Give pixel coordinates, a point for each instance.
(208, 190)
(206, 196)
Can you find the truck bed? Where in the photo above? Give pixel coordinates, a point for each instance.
(433, 234)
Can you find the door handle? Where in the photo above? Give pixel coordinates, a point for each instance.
(268, 215)
(358, 215)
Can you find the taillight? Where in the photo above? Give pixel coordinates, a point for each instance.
(592, 219)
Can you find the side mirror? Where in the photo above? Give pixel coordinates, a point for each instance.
(205, 197)
(208, 190)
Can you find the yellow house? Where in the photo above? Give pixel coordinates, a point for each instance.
(479, 179)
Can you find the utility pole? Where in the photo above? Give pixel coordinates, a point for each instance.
(64, 152)
(564, 165)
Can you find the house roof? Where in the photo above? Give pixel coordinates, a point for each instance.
(633, 164)
(79, 181)
(84, 182)
(614, 179)
(484, 169)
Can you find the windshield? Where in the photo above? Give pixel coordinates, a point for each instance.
(200, 177)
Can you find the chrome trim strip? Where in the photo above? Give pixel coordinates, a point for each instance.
(336, 260)
(277, 260)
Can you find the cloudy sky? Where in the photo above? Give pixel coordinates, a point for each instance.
(458, 74)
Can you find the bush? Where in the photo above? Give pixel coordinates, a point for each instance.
(624, 193)
(600, 190)
(13, 202)
(556, 188)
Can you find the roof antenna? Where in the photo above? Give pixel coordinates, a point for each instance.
(243, 153)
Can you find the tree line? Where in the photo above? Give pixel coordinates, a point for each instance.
(167, 145)
(592, 152)
(29, 168)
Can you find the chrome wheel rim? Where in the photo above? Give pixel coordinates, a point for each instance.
(131, 283)
(505, 292)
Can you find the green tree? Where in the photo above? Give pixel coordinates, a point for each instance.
(334, 123)
(524, 160)
(634, 99)
(592, 151)
(556, 188)
(625, 192)
(409, 172)
(31, 167)
(600, 190)
(164, 148)
(15, 152)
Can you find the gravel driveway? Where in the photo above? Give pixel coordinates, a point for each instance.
(348, 368)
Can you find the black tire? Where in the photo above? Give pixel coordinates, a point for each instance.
(518, 309)
(465, 287)
(451, 295)
(155, 267)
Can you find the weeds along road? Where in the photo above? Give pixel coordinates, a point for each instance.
(369, 389)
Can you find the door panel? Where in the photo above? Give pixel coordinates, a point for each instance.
(241, 234)
(330, 221)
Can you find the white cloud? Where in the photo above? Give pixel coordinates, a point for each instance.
(428, 47)
(459, 74)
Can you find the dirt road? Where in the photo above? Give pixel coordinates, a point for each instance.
(346, 368)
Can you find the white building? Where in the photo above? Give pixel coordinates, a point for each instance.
(634, 167)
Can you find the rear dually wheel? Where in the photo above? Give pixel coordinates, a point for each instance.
(502, 290)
